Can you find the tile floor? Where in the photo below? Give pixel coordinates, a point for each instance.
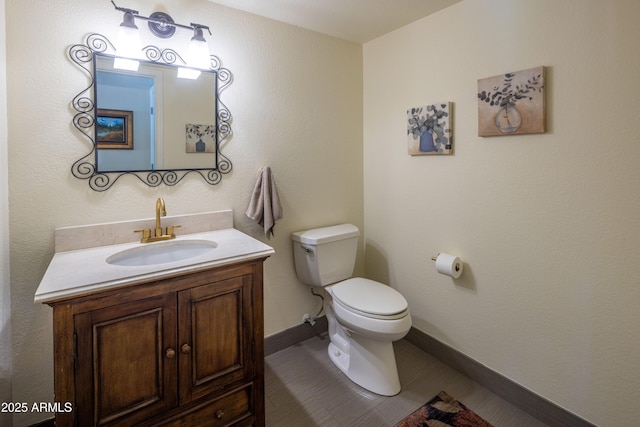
(304, 389)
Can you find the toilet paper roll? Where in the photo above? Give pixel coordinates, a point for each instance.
(449, 265)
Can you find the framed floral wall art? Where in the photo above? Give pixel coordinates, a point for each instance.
(512, 103)
(429, 130)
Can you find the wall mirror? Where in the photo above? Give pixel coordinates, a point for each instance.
(151, 123)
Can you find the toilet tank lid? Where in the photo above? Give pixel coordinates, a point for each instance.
(321, 235)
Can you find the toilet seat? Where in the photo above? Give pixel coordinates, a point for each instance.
(370, 298)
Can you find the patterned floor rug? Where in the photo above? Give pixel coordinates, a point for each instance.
(441, 411)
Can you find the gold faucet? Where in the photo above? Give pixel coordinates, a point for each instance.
(161, 210)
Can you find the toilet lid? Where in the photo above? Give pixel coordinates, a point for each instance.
(369, 296)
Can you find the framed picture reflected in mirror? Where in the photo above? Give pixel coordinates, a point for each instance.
(114, 129)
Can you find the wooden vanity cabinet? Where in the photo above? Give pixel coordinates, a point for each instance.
(185, 350)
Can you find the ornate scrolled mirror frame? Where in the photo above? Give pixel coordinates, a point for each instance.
(84, 120)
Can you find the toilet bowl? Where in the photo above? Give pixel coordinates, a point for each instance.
(364, 316)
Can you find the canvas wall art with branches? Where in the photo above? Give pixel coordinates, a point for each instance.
(512, 103)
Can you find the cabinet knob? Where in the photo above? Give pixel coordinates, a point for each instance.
(219, 414)
(170, 353)
(186, 348)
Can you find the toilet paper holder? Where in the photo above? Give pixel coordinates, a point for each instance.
(456, 267)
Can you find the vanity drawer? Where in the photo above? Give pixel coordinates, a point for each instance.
(231, 409)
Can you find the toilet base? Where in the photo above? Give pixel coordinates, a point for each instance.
(369, 363)
(366, 358)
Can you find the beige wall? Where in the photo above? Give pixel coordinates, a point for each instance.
(547, 225)
(5, 287)
(296, 101)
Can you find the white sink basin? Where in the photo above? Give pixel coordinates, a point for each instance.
(161, 252)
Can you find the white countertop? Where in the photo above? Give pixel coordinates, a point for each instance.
(76, 272)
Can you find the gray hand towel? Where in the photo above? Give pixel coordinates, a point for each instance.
(264, 207)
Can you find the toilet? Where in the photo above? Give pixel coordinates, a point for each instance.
(364, 316)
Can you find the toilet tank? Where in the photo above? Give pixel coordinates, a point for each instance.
(325, 255)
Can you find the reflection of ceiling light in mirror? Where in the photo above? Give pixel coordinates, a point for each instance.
(126, 64)
(188, 73)
(129, 47)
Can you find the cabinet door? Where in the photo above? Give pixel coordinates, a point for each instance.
(126, 365)
(215, 336)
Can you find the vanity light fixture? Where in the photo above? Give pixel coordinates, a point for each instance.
(129, 46)
(163, 26)
(197, 55)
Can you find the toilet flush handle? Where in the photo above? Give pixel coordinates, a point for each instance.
(307, 249)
